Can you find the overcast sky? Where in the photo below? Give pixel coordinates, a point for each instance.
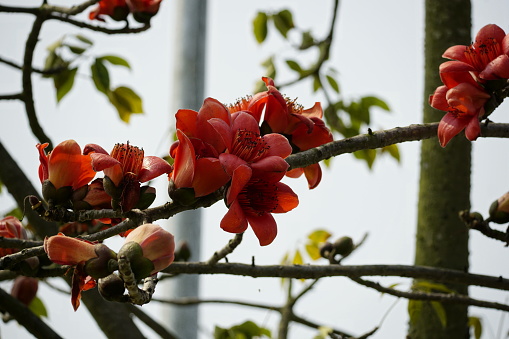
(377, 51)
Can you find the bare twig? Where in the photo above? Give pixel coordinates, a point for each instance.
(125, 30)
(229, 248)
(150, 322)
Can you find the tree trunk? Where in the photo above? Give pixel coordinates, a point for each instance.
(444, 188)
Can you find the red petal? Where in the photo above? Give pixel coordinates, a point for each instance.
(295, 173)
(209, 176)
(211, 109)
(186, 122)
(313, 175)
(271, 169)
(450, 126)
(438, 99)
(102, 161)
(264, 227)
(245, 121)
(278, 144)
(230, 162)
(224, 131)
(184, 165)
(234, 220)
(287, 199)
(453, 73)
(152, 168)
(496, 69)
(240, 178)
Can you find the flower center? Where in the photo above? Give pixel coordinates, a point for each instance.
(293, 107)
(258, 197)
(130, 157)
(249, 146)
(485, 52)
(240, 105)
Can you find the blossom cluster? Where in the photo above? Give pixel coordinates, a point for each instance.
(142, 10)
(242, 146)
(474, 71)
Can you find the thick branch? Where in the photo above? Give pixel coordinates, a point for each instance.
(25, 317)
(125, 30)
(381, 139)
(316, 271)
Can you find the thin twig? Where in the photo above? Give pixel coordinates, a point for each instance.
(229, 248)
(150, 322)
(125, 30)
(429, 296)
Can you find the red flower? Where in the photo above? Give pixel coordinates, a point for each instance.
(197, 150)
(464, 105)
(144, 6)
(304, 128)
(157, 244)
(65, 165)
(126, 167)
(486, 59)
(116, 9)
(254, 203)
(11, 227)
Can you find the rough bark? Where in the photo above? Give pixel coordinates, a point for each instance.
(442, 239)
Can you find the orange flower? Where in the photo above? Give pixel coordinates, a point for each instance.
(65, 165)
(11, 227)
(126, 167)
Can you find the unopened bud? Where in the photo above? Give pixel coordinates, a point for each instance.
(112, 288)
(25, 289)
(104, 264)
(326, 249)
(343, 246)
(183, 195)
(499, 210)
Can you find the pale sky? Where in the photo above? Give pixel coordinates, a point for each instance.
(377, 51)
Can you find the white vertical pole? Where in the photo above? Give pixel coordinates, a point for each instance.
(188, 83)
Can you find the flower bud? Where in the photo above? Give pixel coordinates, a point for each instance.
(499, 210)
(183, 195)
(25, 289)
(11, 227)
(112, 288)
(326, 249)
(104, 264)
(183, 253)
(147, 197)
(141, 266)
(343, 246)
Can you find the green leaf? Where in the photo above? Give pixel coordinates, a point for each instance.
(246, 330)
(38, 308)
(368, 155)
(63, 82)
(294, 66)
(260, 27)
(283, 22)
(297, 258)
(84, 39)
(333, 83)
(76, 49)
(414, 310)
(393, 151)
(115, 60)
(126, 101)
(307, 40)
(56, 45)
(319, 236)
(317, 83)
(313, 251)
(370, 101)
(100, 76)
(440, 312)
(427, 286)
(476, 324)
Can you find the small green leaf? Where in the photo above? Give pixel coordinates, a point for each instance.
(333, 83)
(319, 236)
(115, 60)
(440, 312)
(297, 258)
(294, 66)
(56, 45)
(307, 40)
(476, 324)
(368, 155)
(260, 27)
(414, 310)
(313, 251)
(374, 101)
(317, 83)
(63, 82)
(428, 286)
(84, 39)
(38, 308)
(393, 151)
(100, 76)
(283, 22)
(76, 49)
(126, 101)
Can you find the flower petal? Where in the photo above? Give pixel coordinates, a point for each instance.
(234, 220)
(184, 165)
(264, 227)
(152, 168)
(278, 144)
(240, 178)
(209, 176)
(450, 126)
(287, 199)
(313, 175)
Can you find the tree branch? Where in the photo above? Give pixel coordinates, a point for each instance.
(125, 30)
(150, 322)
(229, 248)
(25, 317)
(442, 297)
